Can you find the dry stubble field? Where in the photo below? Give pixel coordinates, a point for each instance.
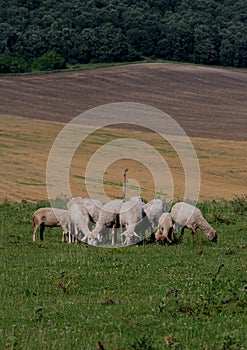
(209, 103)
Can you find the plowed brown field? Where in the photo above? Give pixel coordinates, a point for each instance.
(209, 103)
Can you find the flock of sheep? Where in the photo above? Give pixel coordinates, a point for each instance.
(90, 221)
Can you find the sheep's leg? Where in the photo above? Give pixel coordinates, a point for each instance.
(133, 229)
(76, 235)
(121, 233)
(65, 236)
(113, 235)
(107, 235)
(173, 232)
(85, 233)
(36, 224)
(72, 234)
(168, 238)
(41, 232)
(193, 231)
(65, 232)
(70, 238)
(124, 234)
(35, 227)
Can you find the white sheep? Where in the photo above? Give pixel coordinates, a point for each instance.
(93, 206)
(165, 228)
(186, 215)
(49, 217)
(131, 216)
(82, 211)
(154, 209)
(79, 218)
(108, 218)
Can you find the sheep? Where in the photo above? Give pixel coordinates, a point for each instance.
(154, 209)
(131, 214)
(49, 217)
(108, 218)
(93, 206)
(81, 212)
(165, 228)
(186, 215)
(79, 218)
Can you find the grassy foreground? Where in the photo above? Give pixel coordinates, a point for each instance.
(192, 295)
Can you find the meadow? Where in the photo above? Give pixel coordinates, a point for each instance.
(190, 295)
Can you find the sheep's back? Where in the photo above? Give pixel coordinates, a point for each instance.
(185, 214)
(154, 209)
(50, 216)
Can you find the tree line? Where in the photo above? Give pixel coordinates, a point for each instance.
(50, 34)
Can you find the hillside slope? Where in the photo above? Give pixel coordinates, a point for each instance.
(207, 102)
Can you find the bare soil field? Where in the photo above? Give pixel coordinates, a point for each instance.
(209, 103)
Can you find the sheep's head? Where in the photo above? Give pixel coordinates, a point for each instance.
(130, 237)
(158, 234)
(95, 236)
(162, 236)
(212, 235)
(93, 242)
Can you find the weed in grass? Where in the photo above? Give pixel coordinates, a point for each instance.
(143, 343)
(65, 282)
(216, 297)
(172, 342)
(11, 343)
(230, 341)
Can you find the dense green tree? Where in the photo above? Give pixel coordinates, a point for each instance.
(205, 49)
(226, 53)
(200, 31)
(111, 44)
(10, 64)
(176, 41)
(49, 61)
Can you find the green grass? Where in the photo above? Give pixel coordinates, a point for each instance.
(31, 183)
(105, 182)
(191, 295)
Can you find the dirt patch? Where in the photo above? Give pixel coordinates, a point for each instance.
(26, 144)
(207, 102)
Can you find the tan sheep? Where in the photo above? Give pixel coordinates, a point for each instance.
(186, 215)
(165, 228)
(49, 217)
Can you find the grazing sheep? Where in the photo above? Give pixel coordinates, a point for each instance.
(186, 215)
(49, 217)
(131, 214)
(93, 206)
(81, 212)
(108, 218)
(165, 227)
(79, 218)
(154, 209)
